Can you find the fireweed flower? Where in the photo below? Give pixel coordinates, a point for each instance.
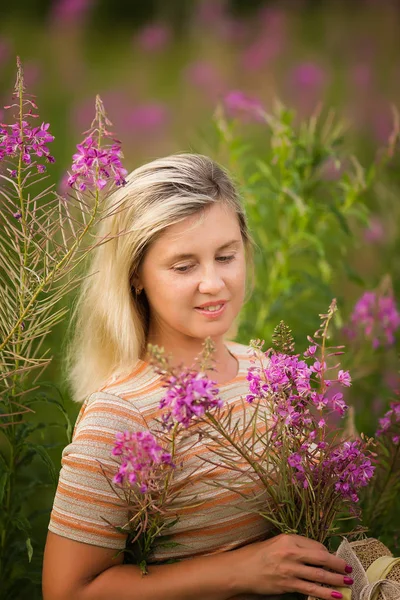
(351, 469)
(93, 166)
(96, 163)
(238, 104)
(22, 138)
(347, 467)
(377, 316)
(189, 395)
(140, 456)
(291, 380)
(390, 422)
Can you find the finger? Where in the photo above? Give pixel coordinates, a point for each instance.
(326, 560)
(316, 575)
(304, 542)
(316, 591)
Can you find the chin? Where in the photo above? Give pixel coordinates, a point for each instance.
(211, 330)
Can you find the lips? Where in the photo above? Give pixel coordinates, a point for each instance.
(211, 310)
(213, 303)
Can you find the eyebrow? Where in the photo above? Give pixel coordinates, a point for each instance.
(185, 256)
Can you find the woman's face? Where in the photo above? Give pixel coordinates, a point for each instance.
(194, 276)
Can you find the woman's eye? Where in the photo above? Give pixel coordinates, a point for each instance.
(183, 269)
(225, 259)
(187, 268)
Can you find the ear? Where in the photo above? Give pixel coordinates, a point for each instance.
(136, 284)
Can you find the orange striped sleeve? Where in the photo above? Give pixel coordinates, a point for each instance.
(85, 504)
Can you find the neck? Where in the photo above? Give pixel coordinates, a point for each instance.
(185, 350)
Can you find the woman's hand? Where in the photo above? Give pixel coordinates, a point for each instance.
(290, 563)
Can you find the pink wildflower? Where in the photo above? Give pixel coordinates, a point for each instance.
(140, 455)
(238, 104)
(377, 316)
(154, 37)
(189, 396)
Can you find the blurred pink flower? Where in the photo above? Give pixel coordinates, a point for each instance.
(392, 380)
(210, 11)
(148, 118)
(238, 104)
(205, 76)
(308, 75)
(154, 37)
(70, 11)
(63, 186)
(273, 19)
(269, 42)
(260, 52)
(306, 83)
(375, 316)
(231, 29)
(332, 170)
(382, 120)
(375, 232)
(361, 75)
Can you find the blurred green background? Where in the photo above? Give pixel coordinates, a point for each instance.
(161, 68)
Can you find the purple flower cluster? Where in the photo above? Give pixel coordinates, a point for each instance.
(140, 456)
(350, 468)
(26, 141)
(291, 381)
(377, 316)
(293, 390)
(189, 395)
(94, 165)
(390, 422)
(347, 466)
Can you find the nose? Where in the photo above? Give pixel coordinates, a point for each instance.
(211, 282)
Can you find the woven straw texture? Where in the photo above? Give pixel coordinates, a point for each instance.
(376, 572)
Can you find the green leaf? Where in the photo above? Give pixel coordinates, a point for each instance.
(22, 524)
(171, 523)
(168, 545)
(3, 481)
(340, 218)
(352, 275)
(58, 403)
(44, 455)
(29, 548)
(3, 465)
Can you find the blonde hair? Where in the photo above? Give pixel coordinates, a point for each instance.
(110, 320)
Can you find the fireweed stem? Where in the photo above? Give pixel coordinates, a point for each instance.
(10, 431)
(60, 264)
(243, 454)
(173, 448)
(50, 276)
(322, 390)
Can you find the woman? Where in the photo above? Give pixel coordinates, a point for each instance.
(173, 273)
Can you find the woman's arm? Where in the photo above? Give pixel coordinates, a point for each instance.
(285, 563)
(77, 571)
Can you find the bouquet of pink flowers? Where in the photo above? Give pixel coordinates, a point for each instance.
(310, 473)
(305, 474)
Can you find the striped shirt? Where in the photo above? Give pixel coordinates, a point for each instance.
(86, 507)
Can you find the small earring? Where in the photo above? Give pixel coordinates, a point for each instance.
(138, 290)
